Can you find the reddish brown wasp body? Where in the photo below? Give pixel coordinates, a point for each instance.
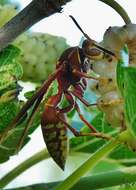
(55, 131)
(71, 73)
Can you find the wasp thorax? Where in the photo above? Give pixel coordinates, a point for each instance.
(86, 65)
(91, 51)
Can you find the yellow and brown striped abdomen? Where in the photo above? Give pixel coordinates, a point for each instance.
(55, 136)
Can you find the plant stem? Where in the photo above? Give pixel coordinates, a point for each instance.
(102, 180)
(89, 164)
(107, 179)
(119, 9)
(34, 12)
(44, 155)
(36, 158)
(22, 167)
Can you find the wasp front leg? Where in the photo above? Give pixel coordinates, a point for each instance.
(78, 91)
(71, 100)
(83, 74)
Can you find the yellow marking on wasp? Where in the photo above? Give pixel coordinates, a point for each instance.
(49, 126)
(78, 55)
(49, 105)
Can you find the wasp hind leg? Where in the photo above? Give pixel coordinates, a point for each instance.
(95, 133)
(79, 134)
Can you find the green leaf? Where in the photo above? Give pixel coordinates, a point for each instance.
(7, 112)
(10, 143)
(8, 55)
(130, 97)
(10, 72)
(8, 147)
(9, 63)
(34, 187)
(2, 2)
(106, 165)
(123, 62)
(120, 76)
(29, 94)
(10, 69)
(126, 77)
(123, 153)
(6, 80)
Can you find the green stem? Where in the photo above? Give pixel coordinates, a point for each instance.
(22, 167)
(97, 181)
(107, 179)
(41, 156)
(89, 164)
(26, 165)
(119, 9)
(117, 177)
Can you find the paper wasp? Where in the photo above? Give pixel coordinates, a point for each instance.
(71, 74)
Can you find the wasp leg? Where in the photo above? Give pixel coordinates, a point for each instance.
(79, 134)
(75, 105)
(82, 74)
(83, 84)
(70, 106)
(81, 116)
(75, 132)
(78, 88)
(83, 119)
(77, 95)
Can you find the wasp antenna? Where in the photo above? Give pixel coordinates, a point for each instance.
(94, 43)
(105, 50)
(79, 27)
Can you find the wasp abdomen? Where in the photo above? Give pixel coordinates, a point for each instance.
(55, 137)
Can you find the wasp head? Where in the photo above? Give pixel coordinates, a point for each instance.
(91, 51)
